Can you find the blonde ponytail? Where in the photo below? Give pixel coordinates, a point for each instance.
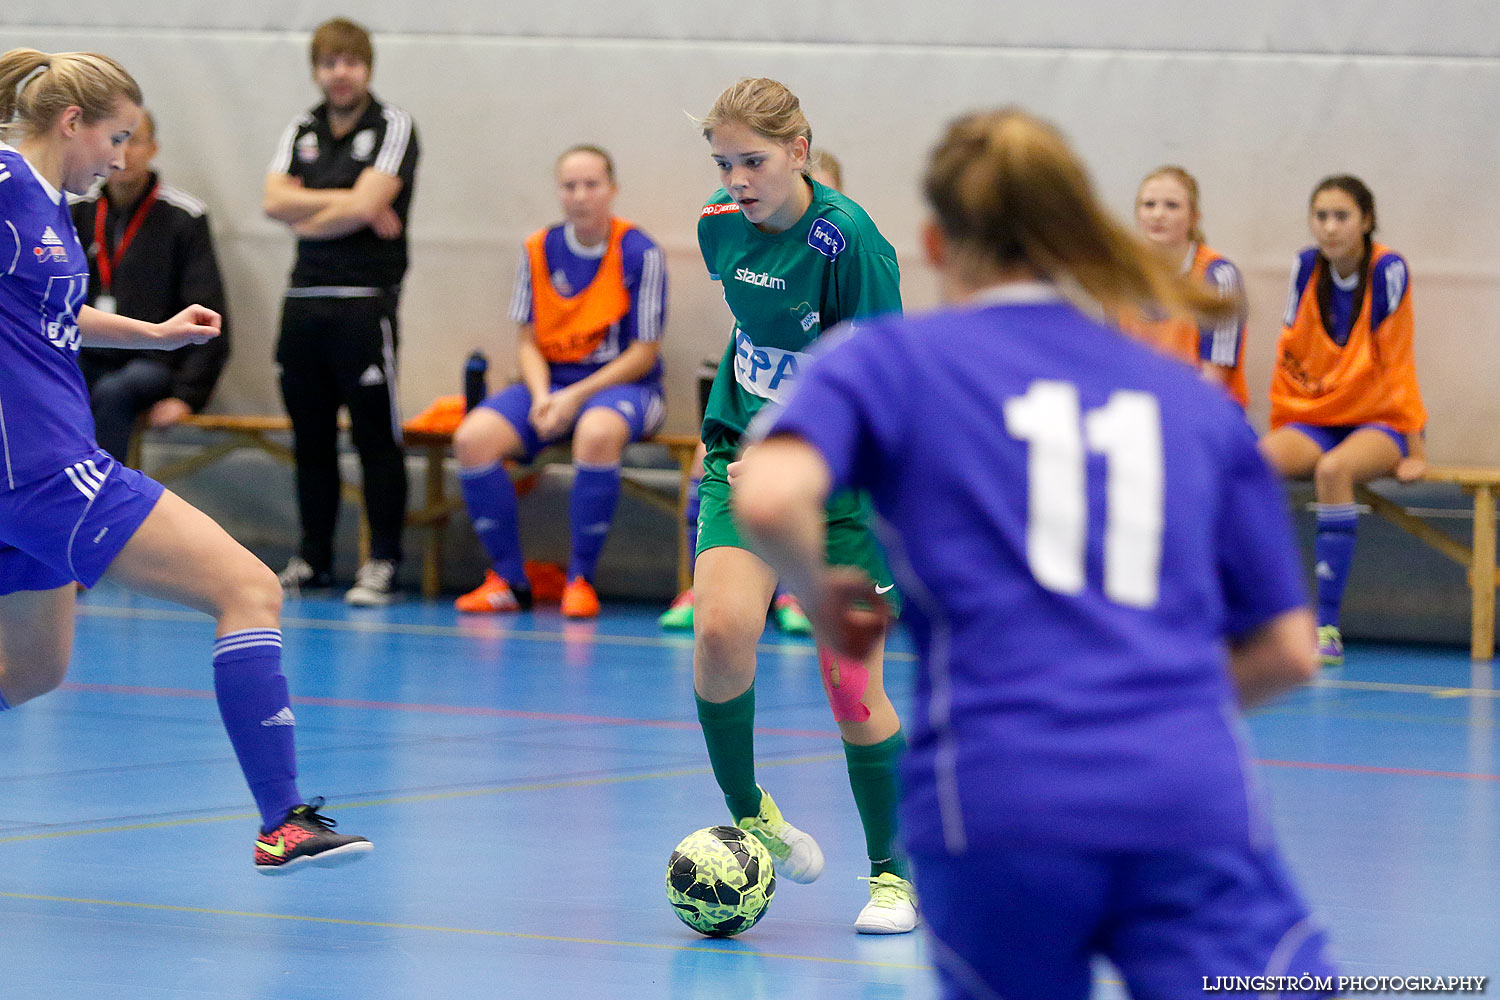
(36, 88)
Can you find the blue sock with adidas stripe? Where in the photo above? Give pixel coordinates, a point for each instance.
(491, 499)
(591, 508)
(1333, 551)
(256, 708)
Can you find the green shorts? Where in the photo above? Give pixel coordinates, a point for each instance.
(850, 540)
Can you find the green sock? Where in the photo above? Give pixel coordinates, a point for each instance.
(729, 731)
(872, 776)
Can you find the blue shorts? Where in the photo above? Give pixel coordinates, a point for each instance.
(1025, 921)
(1329, 438)
(71, 525)
(640, 405)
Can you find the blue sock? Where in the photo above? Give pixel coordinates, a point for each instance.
(690, 518)
(491, 499)
(591, 508)
(1333, 550)
(4, 705)
(257, 714)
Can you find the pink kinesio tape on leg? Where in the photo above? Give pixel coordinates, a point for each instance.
(846, 695)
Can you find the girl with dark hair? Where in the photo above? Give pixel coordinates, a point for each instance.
(1345, 405)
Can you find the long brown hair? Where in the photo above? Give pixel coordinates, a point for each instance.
(37, 87)
(1008, 191)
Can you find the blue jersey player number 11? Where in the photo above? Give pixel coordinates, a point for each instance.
(1078, 784)
(1127, 432)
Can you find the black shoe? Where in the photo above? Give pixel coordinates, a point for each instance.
(299, 576)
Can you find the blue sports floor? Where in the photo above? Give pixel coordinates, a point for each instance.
(524, 780)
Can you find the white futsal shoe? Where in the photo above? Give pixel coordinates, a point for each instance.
(892, 908)
(795, 854)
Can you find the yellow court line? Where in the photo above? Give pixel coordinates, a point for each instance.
(1436, 690)
(456, 631)
(474, 931)
(468, 793)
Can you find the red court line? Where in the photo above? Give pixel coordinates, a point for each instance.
(461, 710)
(606, 720)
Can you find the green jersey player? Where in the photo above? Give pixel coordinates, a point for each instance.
(795, 258)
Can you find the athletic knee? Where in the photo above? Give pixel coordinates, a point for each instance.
(721, 636)
(476, 444)
(600, 438)
(1332, 474)
(254, 595)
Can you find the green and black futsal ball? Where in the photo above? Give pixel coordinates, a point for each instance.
(720, 881)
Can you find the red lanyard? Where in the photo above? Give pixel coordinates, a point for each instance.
(106, 262)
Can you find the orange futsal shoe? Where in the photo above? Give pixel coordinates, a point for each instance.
(492, 597)
(579, 599)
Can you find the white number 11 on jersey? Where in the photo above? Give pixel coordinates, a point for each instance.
(1127, 432)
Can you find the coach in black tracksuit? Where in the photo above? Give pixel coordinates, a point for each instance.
(150, 256)
(342, 180)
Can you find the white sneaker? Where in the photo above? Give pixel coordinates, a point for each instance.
(795, 854)
(299, 576)
(372, 584)
(892, 908)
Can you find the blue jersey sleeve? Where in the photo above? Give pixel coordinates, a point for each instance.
(1220, 344)
(520, 296)
(646, 281)
(1388, 286)
(10, 239)
(10, 247)
(1258, 561)
(847, 406)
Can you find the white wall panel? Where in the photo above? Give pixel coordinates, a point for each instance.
(1245, 101)
(1389, 27)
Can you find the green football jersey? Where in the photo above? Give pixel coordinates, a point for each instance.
(784, 291)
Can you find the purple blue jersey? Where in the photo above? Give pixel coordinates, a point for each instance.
(573, 266)
(1388, 283)
(1078, 525)
(45, 422)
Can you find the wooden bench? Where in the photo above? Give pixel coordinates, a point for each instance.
(265, 433)
(1479, 556)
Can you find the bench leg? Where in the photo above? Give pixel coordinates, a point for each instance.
(437, 501)
(684, 482)
(1482, 575)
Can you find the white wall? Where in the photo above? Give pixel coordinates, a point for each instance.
(1259, 100)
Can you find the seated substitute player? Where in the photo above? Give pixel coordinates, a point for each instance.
(150, 256)
(1077, 785)
(1345, 405)
(590, 300)
(71, 513)
(1166, 212)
